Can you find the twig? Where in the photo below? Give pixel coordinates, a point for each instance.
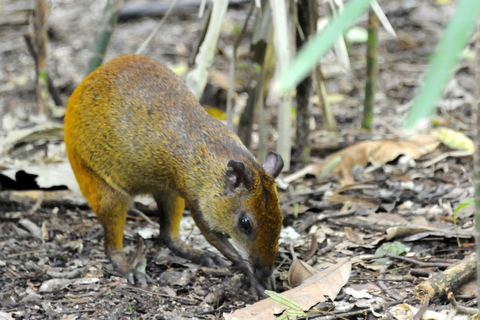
(460, 308)
(419, 263)
(455, 154)
(156, 29)
(382, 285)
(306, 27)
(324, 104)
(51, 88)
(143, 215)
(233, 64)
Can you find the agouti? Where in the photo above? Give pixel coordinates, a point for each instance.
(133, 127)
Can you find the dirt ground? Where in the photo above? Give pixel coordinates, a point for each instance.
(52, 262)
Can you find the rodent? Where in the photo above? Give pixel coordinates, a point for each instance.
(133, 127)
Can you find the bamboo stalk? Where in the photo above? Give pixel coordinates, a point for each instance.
(40, 40)
(476, 156)
(370, 86)
(282, 51)
(108, 23)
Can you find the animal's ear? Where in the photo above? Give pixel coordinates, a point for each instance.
(273, 164)
(236, 174)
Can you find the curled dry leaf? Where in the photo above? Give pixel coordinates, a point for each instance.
(54, 285)
(379, 152)
(328, 282)
(34, 230)
(299, 271)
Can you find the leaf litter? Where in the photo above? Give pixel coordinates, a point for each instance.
(372, 190)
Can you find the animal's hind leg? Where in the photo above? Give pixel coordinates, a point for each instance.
(111, 208)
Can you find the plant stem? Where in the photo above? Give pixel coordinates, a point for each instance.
(371, 70)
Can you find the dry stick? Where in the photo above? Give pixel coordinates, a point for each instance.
(41, 62)
(142, 215)
(382, 285)
(201, 37)
(324, 104)
(442, 283)
(413, 261)
(305, 28)
(462, 309)
(140, 9)
(371, 70)
(324, 315)
(156, 29)
(51, 88)
(233, 64)
(109, 21)
(246, 118)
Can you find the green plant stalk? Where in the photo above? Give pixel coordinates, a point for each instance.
(310, 54)
(43, 81)
(109, 21)
(370, 86)
(455, 214)
(443, 63)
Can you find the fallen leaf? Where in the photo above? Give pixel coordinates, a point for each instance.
(379, 152)
(299, 271)
(6, 315)
(353, 236)
(328, 282)
(395, 248)
(406, 312)
(358, 294)
(455, 140)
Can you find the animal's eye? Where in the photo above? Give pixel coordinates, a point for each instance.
(245, 225)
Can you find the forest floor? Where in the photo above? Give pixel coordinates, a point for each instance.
(403, 201)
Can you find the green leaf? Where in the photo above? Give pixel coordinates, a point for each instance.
(396, 248)
(283, 301)
(329, 167)
(448, 53)
(455, 213)
(311, 53)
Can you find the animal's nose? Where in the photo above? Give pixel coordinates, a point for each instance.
(265, 277)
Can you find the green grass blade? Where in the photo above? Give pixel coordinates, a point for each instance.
(309, 55)
(455, 39)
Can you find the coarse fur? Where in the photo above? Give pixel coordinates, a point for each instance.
(133, 127)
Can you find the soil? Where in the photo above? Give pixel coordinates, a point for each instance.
(52, 262)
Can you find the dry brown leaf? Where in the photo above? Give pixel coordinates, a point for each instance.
(299, 271)
(354, 236)
(379, 152)
(325, 283)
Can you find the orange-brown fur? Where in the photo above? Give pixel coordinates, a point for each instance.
(133, 127)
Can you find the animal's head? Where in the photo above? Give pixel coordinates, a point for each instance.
(254, 214)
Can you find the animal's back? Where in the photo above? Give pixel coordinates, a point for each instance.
(137, 125)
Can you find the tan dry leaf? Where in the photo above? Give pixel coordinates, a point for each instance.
(299, 271)
(328, 282)
(354, 236)
(379, 152)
